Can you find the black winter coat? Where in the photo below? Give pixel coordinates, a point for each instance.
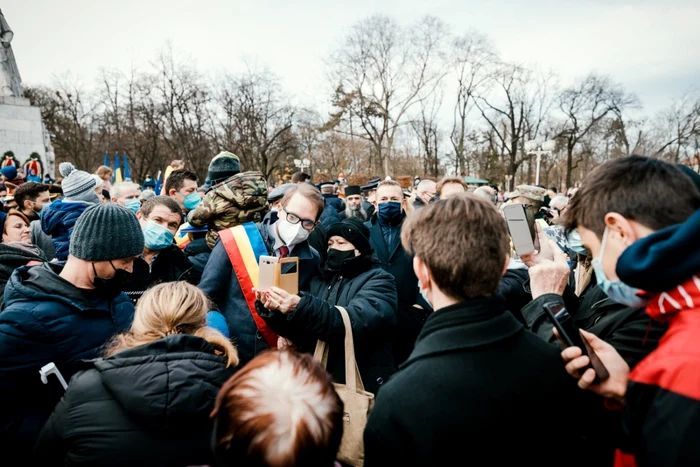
(12, 258)
(170, 265)
(409, 318)
(145, 406)
(47, 319)
(478, 389)
(369, 295)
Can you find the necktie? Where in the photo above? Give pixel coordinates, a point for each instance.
(284, 251)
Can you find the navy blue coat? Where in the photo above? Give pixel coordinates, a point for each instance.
(220, 283)
(409, 318)
(58, 220)
(47, 319)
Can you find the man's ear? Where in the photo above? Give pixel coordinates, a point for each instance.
(172, 192)
(27, 205)
(421, 272)
(139, 215)
(620, 227)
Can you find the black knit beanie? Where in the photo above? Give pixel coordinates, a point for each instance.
(354, 231)
(223, 166)
(105, 232)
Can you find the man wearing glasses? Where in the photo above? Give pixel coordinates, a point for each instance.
(285, 234)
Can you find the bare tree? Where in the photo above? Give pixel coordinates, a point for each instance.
(426, 129)
(471, 55)
(257, 121)
(380, 72)
(680, 127)
(585, 105)
(514, 107)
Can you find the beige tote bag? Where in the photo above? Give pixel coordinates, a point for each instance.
(357, 402)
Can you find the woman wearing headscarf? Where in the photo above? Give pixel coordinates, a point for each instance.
(148, 402)
(352, 278)
(16, 249)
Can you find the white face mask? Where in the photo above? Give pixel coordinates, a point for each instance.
(291, 234)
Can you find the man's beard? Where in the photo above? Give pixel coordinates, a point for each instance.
(359, 212)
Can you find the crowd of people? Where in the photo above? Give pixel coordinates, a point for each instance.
(136, 327)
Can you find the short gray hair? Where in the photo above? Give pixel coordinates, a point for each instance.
(559, 202)
(117, 189)
(426, 185)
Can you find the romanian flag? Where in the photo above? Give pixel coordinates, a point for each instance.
(117, 170)
(244, 246)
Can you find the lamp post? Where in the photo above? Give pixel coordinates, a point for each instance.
(302, 164)
(540, 148)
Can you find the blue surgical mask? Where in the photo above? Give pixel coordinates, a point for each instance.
(618, 291)
(575, 243)
(133, 205)
(156, 237)
(390, 212)
(192, 201)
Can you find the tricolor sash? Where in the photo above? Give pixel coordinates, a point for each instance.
(244, 246)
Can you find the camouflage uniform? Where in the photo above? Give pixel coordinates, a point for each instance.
(240, 199)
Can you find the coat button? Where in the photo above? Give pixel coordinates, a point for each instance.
(380, 381)
(258, 335)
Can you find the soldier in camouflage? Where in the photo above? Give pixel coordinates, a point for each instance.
(239, 199)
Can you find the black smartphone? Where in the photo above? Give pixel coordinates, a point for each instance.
(570, 334)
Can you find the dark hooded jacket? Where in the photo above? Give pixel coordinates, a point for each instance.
(58, 220)
(47, 319)
(145, 406)
(11, 258)
(368, 293)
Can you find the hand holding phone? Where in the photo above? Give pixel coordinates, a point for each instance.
(571, 335)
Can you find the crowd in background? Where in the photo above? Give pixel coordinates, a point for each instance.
(148, 305)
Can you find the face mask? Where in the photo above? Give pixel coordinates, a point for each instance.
(291, 234)
(390, 212)
(336, 258)
(112, 285)
(132, 205)
(575, 243)
(38, 207)
(618, 291)
(156, 237)
(192, 201)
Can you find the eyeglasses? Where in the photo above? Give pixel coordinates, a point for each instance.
(308, 224)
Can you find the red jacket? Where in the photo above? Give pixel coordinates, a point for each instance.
(662, 416)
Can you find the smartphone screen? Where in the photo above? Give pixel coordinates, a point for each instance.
(572, 337)
(520, 229)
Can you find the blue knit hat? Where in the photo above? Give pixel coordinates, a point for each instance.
(77, 185)
(10, 172)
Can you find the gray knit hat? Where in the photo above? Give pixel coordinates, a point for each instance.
(223, 166)
(77, 185)
(105, 232)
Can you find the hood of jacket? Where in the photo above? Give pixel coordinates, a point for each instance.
(664, 259)
(42, 283)
(60, 215)
(168, 383)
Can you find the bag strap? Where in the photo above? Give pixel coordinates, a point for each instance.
(353, 379)
(246, 284)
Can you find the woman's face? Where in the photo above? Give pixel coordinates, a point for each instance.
(339, 243)
(16, 230)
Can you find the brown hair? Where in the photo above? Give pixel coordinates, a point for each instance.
(464, 243)
(281, 409)
(103, 171)
(448, 180)
(649, 191)
(167, 201)
(172, 308)
(307, 191)
(14, 212)
(29, 191)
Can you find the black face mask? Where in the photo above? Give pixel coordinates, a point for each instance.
(112, 285)
(336, 258)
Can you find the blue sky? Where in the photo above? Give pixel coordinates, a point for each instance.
(652, 47)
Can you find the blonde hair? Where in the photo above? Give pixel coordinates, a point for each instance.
(172, 308)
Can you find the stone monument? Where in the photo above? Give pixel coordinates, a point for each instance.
(21, 130)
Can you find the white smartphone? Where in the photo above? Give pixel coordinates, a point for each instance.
(521, 232)
(266, 276)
